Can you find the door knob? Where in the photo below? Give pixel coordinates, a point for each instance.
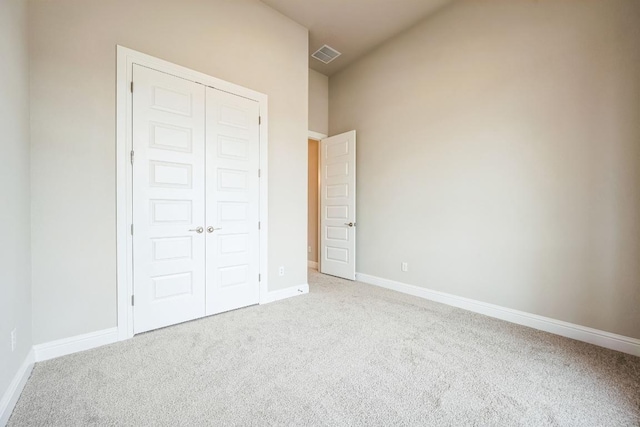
(350, 224)
(210, 229)
(197, 230)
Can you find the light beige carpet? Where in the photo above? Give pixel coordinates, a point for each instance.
(346, 354)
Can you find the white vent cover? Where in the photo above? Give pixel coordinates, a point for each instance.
(326, 54)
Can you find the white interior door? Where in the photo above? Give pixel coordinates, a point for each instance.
(338, 205)
(168, 199)
(233, 160)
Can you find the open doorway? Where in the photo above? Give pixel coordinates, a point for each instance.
(313, 212)
(331, 239)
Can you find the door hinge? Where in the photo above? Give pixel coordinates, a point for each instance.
(258, 173)
(132, 300)
(131, 156)
(132, 229)
(259, 277)
(259, 120)
(258, 225)
(131, 87)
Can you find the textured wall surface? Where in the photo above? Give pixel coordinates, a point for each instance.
(499, 155)
(318, 102)
(15, 224)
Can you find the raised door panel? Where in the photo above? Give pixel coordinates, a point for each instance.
(168, 199)
(232, 153)
(338, 205)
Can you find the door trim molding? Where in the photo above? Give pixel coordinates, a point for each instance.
(125, 58)
(316, 136)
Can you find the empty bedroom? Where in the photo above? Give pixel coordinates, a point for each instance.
(336, 212)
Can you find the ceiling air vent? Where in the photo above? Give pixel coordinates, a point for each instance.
(326, 54)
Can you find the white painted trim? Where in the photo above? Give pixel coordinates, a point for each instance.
(558, 327)
(316, 136)
(312, 264)
(264, 196)
(12, 394)
(124, 67)
(285, 293)
(124, 269)
(62, 347)
(319, 216)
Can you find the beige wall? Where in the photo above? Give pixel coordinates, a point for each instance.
(318, 102)
(73, 52)
(15, 272)
(312, 233)
(499, 155)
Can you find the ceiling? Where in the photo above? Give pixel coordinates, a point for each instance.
(353, 27)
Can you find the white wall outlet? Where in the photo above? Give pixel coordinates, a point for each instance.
(281, 271)
(405, 266)
(309, 249)
(14, 339)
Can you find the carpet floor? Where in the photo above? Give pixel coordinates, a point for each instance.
(345, 354)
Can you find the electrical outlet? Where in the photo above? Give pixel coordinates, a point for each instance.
(309, 249)
(281, 271)
(14, 340)
(405, 266)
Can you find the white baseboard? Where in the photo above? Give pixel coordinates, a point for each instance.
(312, 264)
(11, 396)
(75, 344)
(558, 327)
(285, 293)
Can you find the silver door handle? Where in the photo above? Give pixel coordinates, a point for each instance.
(350, 224)
(211, 229)
(197, 230)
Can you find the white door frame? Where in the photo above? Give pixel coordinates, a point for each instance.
(316, 136)
(124, 183)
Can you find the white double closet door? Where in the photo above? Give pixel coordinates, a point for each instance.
(195, 200)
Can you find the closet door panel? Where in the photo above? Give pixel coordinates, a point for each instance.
(232, 201)
(168, 199)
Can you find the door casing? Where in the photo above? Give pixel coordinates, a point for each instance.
(124, 206)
